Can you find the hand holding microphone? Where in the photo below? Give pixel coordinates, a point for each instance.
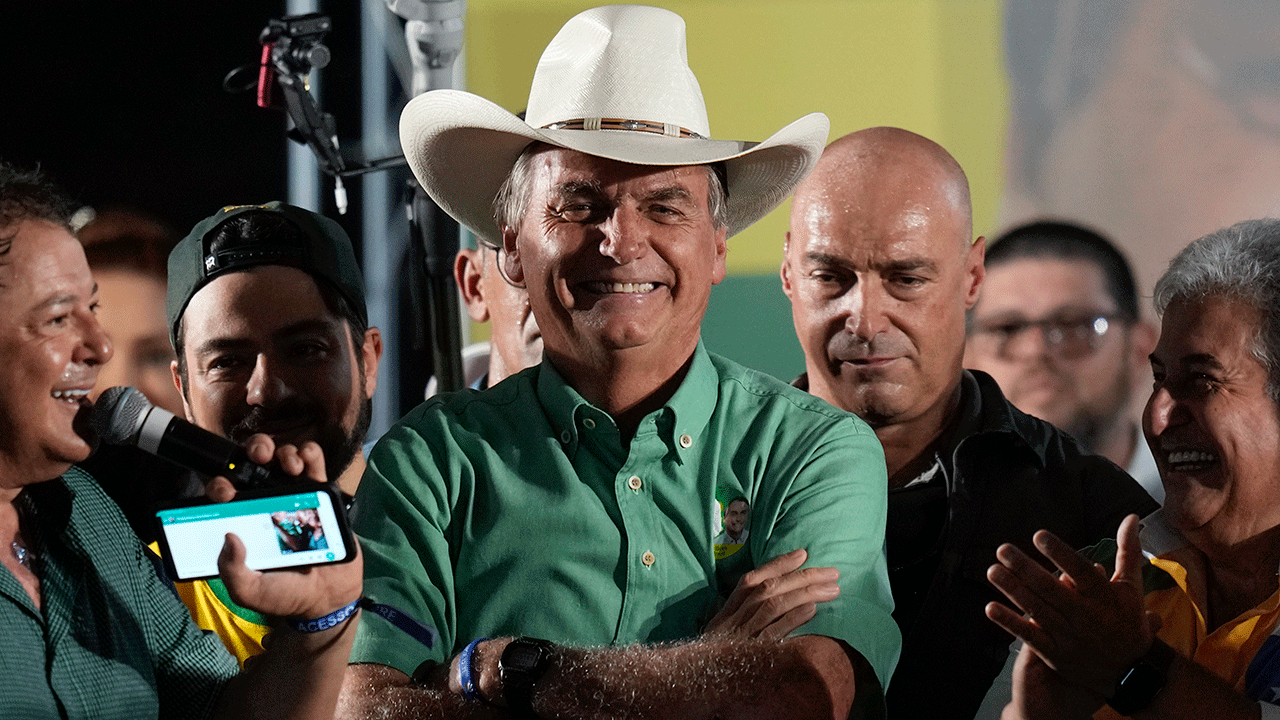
(124, 416)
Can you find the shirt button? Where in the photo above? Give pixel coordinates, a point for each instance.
(685, 441)
(565, 436)
(589, 424)
(634, 482)
(647, 558)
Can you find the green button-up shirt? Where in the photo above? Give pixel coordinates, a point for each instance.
(111, 641)
(519, 510)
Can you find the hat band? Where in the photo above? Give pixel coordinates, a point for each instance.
(649, 126)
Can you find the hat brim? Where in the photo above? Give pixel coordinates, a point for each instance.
(461, 148)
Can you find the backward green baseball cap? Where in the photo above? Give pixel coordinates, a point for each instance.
(320, 247)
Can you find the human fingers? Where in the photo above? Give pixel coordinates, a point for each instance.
(1018, 625)
(305, 460)
(1129, 559)
(790, 621)
(1040, 600)
(1084, 574)
(1017, 572)
(220, 489)
(260, 448)
(776, 600)
(781, 610)
(240, 581)
(780, 565)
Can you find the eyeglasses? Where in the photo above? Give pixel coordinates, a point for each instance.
(1067, 336)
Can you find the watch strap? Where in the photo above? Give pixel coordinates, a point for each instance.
(1142, 681)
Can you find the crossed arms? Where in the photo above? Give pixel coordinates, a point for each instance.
(742, 666)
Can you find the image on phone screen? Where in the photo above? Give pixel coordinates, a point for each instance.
(290, 530)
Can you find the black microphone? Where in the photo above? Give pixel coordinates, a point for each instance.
(124, 416)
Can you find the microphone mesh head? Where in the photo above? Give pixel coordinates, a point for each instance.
(118, 414)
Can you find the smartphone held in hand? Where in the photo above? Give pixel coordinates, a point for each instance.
(291, 526)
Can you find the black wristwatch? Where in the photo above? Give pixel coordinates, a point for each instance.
(1140, 684)
(523, 661)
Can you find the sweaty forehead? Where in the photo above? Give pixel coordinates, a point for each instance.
(864, 233)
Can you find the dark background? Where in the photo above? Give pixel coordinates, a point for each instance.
(122, 102)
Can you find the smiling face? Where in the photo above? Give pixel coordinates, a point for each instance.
(265, 354)
(52, 348)
(880, 271)
(618, 259)
(1213, 429)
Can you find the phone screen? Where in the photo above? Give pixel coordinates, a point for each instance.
(278, 531)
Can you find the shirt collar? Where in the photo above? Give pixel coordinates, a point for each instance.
(681, 419)
(1158, 536)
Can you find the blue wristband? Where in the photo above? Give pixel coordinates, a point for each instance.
(333, 619)
(465, 679)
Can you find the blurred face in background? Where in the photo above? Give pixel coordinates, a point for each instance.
(1047, 330)
(131, 311)
(515, 342)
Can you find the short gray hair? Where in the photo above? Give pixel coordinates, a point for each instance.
(1241, 262)
(512, 200)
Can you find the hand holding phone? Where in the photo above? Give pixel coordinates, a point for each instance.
(291, 526)
(299, 592)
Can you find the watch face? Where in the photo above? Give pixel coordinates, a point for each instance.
(521, 656)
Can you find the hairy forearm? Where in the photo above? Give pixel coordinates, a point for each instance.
(378, 692)
(806, 677)
(726, 678)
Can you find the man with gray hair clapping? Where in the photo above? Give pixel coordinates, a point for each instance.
(1182, 622)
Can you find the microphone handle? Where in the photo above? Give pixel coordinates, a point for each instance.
(191, 447)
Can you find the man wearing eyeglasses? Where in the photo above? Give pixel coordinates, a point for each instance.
(1058, 328)
(880, 267)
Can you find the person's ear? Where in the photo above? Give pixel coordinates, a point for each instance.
(512, 265)
(182, 392)
(975, 271)
(1142, 342)
(372, 351)
(784, 271)
(468, 272)
(718, 269)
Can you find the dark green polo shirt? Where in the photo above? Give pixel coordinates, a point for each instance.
(111, 641)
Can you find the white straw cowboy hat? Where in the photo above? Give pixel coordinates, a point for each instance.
(614, 83)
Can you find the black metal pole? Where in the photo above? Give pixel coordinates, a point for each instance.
(435, 237)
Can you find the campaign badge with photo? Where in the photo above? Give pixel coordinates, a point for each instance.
(730, 522)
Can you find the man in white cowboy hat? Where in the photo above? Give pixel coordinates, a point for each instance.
(576, 502)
